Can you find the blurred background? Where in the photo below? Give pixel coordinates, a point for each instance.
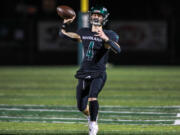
(148, 31)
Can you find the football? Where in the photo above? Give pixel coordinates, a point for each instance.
(65, 12)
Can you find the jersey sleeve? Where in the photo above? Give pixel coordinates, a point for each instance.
(113, 36)
(80, 31)
(113, 40)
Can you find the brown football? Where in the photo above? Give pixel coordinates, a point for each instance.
(65, 12)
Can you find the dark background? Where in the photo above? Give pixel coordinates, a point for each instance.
(19, 35)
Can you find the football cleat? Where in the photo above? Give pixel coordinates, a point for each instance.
(93, 128)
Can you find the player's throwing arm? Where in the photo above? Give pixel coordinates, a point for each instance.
(68, 14)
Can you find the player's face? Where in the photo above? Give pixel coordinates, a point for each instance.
(97, 18)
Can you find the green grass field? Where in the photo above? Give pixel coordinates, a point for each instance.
(136, 100)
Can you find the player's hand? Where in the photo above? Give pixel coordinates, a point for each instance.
(102, 35)
(69, 20)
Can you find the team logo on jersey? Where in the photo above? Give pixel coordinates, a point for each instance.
(92, 38)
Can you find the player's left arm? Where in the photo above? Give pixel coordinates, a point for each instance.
(113, 45)
(110, 41)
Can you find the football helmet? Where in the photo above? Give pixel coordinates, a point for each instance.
(98, 10)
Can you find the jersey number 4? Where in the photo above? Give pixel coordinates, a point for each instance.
(90, 53)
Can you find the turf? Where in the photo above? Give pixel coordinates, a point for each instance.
(81, 129)
(135, 100)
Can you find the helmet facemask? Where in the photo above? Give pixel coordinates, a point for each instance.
(96, 21)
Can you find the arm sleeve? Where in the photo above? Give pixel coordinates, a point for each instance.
(113, 36)
(79, 31)
(113, 40)
(65, 36)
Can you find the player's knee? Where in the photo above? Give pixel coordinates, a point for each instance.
(80, 107)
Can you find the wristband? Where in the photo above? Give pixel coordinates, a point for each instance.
(64, 26)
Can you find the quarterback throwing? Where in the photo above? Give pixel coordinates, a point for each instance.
(97, 42)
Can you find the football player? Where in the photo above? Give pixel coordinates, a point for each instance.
(97, 42)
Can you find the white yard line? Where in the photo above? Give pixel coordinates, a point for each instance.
(57, 118)
(111, 120)
(156, 107)
(18, 105)
(5, 107)
(38, 110)
(66, 122)
(79, 120)
(119, 112)
(60, 110)
(52, 118)
(106, 106)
